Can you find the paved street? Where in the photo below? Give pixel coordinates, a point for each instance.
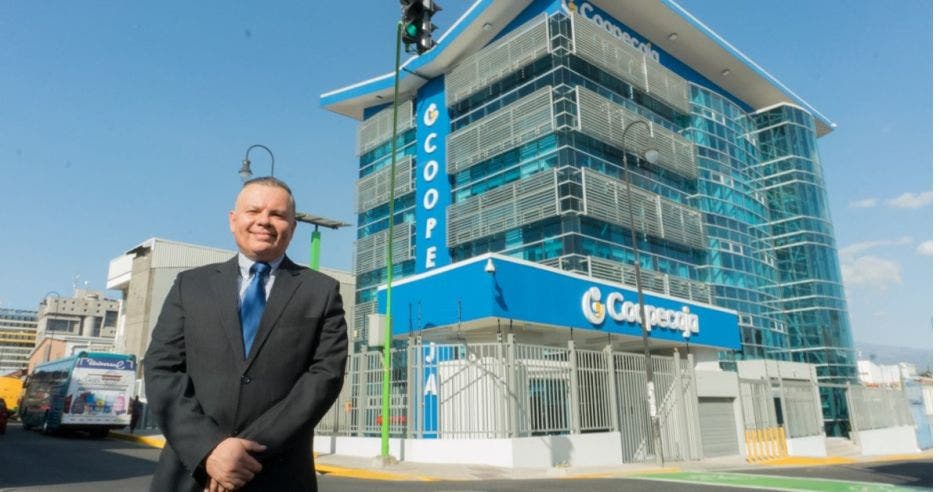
(917, 473)
(34, 462)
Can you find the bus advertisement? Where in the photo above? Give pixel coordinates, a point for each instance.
(88, 391)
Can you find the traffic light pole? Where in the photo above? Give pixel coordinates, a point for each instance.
(387, 347)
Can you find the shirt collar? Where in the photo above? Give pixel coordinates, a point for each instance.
(244, 265)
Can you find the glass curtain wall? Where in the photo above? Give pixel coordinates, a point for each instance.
(812, 297)
(740, 265)
(572, 239)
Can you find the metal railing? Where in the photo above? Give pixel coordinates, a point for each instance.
(877, 408)
(503, 390)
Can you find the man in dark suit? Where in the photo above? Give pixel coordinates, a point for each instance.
(245, 359)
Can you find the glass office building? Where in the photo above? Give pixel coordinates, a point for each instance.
(516, 136)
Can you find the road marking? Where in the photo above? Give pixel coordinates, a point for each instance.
(339, 471)
(774, 482)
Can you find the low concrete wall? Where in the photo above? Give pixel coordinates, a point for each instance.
(893, 440)
(807, 446)
(494, 452)
(598, 449)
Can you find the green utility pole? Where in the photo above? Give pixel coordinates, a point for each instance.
(387, 345)
(315, 249)
(414, 30)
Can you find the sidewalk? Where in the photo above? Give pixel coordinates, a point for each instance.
(365, 468)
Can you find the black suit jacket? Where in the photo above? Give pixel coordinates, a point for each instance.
(202, 390)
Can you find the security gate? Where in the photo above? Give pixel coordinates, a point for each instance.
(676, 398)
(636, 434)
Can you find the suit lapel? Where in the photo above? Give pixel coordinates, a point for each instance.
(286, 282)
(224, 285)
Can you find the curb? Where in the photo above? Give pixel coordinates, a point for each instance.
(807, 461)
(364, 474)
(159, 441)
(152, 441)
(337, 471)
(623, 474)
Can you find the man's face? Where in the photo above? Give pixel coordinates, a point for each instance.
(262, 222)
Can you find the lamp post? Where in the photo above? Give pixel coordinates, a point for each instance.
(316, 221)
(651, 156)
(315, 235)
(245, 171)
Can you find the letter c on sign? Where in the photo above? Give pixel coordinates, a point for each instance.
(429, 146)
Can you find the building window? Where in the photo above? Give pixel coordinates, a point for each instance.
(64, 325)
(110, 319)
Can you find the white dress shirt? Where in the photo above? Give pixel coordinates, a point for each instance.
(244, 276)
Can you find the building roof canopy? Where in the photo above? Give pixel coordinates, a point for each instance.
(663, 22)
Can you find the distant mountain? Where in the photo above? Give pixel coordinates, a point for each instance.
(887, 354)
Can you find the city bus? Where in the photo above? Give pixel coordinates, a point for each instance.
(90, 391)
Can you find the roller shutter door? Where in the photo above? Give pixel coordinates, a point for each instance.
(719, 434)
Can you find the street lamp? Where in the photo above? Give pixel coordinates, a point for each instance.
(245, 171)
(651, 156)
(315, 235)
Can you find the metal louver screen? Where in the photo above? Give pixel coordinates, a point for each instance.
(503, 208)
(605, 120)
(378, 128)
(370, 250)
(595, 44)
(667, 86)
(606, 199)
(373, 189)
(653, 281)
(520, 122)
(479, 70)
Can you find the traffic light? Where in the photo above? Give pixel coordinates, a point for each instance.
(416, 24)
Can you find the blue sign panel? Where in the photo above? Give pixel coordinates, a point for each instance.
(429, 391)
(524, 291)
(432, 188)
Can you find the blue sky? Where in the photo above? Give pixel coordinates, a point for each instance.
(122, 121)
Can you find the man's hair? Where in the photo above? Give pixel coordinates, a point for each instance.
(272, 181)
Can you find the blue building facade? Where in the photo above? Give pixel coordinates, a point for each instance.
(518, 139)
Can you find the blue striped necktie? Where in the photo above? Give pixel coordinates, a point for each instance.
(253, 304)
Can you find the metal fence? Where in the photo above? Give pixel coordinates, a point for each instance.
(776, 402)
(802, 415)
(877, 408)
(508, 389)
